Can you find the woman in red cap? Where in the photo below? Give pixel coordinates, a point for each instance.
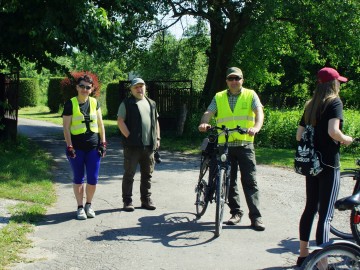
(324, 111)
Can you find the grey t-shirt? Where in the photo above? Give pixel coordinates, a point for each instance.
(144, 109)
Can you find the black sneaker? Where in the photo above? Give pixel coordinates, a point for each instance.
(235, 219)
(128, 207)
(148, 204)
(258, 225)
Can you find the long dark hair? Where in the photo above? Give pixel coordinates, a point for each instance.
(323, 95)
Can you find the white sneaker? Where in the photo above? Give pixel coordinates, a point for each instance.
(81, 214)
(90, 213)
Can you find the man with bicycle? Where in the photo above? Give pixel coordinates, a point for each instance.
(238, 106)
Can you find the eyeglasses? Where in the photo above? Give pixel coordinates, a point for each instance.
(87, 87)
(230, 79)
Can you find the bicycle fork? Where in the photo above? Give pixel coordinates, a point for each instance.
(227, 184)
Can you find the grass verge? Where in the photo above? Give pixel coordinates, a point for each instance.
(25, 176)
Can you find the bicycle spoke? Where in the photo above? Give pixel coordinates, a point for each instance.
(335, 256)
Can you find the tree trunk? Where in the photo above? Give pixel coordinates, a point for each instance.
(223, 42)
(181, 120)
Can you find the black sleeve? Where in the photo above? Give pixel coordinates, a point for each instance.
(67, 108)
(335, 109)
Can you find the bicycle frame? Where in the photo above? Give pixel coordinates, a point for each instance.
(218, 183)
(222, 158)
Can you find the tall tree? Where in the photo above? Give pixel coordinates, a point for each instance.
(40, 30)
(311, 33)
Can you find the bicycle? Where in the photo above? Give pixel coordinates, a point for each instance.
(214, 176)
(340, 223)
(334, 255)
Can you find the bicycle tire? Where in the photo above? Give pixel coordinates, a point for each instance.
(220, 202)
(340, 225)
(334, 256)
(202, 188)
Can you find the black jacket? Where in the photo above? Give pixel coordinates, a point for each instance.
(133, 123)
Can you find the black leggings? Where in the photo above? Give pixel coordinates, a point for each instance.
(321, 193)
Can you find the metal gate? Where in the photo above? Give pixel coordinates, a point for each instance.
(9, 92)
(174, 99)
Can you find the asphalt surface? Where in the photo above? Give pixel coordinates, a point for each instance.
(168, 238)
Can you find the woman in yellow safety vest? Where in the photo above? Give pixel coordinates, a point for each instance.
(85, 139)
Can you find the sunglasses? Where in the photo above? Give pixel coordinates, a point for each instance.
(87, 87)
(230, 79)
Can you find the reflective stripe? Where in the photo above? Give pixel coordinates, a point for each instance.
(78, 118)
(242, 115)
(75, 127)
(236, 118)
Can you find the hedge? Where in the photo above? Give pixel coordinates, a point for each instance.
(55, 98)
(28, 92)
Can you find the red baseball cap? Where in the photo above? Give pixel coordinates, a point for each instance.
(328, 74)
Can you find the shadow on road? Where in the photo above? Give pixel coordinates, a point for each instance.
(176, 230)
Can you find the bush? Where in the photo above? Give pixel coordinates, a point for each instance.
(68, 85)
(28, 92)
(279, 129)
(350, 94)
(113, 99)
(55, 99)
(352, 128)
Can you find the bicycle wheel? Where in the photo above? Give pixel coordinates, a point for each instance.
(334, 256)
(202, 188)
(220, 201)
(340, 225)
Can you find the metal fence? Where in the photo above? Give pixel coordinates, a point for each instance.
(9, 93)
(174, 99)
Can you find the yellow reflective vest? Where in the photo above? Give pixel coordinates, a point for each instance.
(78, 125)
(242, 115)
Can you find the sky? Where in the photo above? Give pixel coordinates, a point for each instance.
(180, 26)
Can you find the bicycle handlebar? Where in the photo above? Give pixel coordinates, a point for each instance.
(227, 130)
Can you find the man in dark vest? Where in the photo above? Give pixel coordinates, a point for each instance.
(139, 125)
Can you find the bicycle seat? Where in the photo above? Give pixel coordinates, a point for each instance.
(348, 203)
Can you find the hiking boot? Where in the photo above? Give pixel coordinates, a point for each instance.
(90, 213)
(148, 204)
(128, 207)
(81, 215)
(258, 225)
(235, 219)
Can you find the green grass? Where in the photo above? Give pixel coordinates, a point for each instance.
(25, 176)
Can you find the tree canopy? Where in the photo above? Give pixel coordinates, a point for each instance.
(39, 30)
(278, 44)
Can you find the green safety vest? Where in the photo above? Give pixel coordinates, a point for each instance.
(242, 115)
(78, 125)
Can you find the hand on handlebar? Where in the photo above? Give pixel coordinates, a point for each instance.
(204, 127)
(252, 131)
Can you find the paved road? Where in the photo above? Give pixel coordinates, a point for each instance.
(168, 238)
